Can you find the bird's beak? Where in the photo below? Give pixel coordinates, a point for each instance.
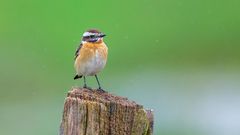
(102, 35)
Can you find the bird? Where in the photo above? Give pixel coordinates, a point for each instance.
(90, 56)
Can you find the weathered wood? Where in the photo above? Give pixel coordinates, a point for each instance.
(93, 112)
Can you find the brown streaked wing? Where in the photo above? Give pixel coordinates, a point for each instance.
(77, 51)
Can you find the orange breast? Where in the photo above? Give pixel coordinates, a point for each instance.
(89, 50)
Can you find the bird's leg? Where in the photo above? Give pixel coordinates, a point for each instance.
(99, 86)
(85, 84)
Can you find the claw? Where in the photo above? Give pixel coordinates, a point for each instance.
(101, 90)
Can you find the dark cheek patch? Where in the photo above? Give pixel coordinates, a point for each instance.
(83, 39)
(90, 39)
(93, 39)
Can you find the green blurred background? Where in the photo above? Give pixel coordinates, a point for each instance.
(178, 57)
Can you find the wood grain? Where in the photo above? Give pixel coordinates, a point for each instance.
(93, 112)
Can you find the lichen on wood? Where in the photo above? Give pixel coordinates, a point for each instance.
(93, 112)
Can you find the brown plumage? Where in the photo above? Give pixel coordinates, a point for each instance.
(91, 55)
(87, 53)
(93, 31)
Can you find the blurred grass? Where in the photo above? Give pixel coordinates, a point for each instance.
(38, 40)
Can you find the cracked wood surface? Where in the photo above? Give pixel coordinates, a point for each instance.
(93, 112)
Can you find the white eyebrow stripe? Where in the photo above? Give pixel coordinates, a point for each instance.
(87, 34)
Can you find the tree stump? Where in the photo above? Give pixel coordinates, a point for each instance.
(94, 112)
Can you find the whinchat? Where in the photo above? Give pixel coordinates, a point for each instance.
(91, 55)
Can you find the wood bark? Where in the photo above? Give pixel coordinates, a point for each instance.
(94, 112)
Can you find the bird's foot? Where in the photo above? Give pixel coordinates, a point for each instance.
(86, 87)
(101, 90)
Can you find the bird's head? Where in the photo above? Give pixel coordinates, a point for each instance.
(93, 36)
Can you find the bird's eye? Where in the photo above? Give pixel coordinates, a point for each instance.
(91, 36)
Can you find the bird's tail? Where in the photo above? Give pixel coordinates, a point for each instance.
(77, 77)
